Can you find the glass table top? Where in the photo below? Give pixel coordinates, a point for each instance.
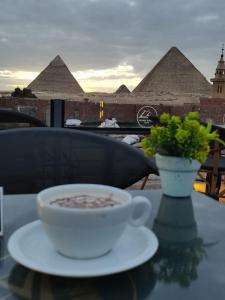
(189, 264)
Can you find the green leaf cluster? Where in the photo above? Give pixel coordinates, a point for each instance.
(180, 137)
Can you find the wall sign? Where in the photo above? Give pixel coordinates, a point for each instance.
(144, 116)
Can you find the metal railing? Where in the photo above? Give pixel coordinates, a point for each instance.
(109, 130)
(57, 120)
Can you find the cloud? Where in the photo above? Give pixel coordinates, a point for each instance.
(207, 18)
(108, 85)
(107, 80)
(24, 75)
(102, 34)
(132, 3)
(102, 80)
(125, 71)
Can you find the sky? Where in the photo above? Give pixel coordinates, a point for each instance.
(106, 43)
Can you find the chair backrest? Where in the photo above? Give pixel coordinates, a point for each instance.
(214, 165)
(32, 159)
(14, 119)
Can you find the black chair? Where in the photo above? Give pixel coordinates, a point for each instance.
(32, 159)
(15, 119)
(214, 167)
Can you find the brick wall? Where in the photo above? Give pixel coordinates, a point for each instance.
(213, 109)
(41, 106)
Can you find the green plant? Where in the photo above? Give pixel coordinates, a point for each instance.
(180, 137)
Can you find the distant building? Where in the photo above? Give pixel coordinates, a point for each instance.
(218, 88)
(173, 81)
(174, 85)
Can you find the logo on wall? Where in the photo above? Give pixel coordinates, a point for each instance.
(145, 116)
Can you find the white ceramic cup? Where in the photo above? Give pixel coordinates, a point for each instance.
(89, 232)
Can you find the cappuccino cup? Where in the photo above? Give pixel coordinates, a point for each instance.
(86, 220)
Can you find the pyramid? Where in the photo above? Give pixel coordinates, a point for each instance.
(55, 78)
(175, 74)
(122, 89)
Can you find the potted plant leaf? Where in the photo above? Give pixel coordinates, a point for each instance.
(180, 147)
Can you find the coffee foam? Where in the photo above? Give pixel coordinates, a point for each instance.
(86, 201)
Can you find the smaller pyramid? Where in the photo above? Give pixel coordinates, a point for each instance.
(56, 78)
(122, 90)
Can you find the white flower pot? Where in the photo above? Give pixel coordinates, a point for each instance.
(177, 175)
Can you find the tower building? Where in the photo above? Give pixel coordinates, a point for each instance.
(218, 87)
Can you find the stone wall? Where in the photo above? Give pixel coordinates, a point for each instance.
(213, 109)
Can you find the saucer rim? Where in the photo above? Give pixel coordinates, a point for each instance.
(19, 257)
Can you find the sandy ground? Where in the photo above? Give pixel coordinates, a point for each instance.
(153, 182)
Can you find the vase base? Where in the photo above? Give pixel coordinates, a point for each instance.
(177, 197)
(171, 234)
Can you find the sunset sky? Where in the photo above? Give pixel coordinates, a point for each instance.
(106, 43)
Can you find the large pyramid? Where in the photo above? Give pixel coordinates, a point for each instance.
(55, 78)
(175, 74)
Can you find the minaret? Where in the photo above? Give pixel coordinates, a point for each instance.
(218, 88)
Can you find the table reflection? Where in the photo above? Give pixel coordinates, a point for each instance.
(175, 222)
(28, 284)
(180, 249)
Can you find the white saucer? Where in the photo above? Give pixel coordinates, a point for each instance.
(29, 246)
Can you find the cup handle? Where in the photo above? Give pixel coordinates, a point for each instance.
(141, 206)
